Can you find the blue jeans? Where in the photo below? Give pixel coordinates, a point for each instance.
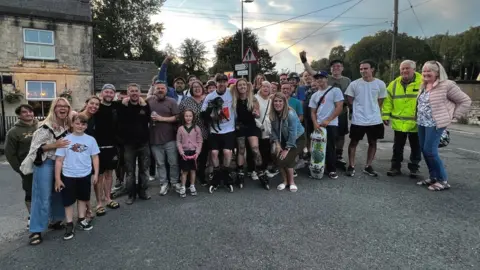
(429, 138)
(168, 150)
(46, 203)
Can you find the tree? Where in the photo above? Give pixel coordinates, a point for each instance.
(228, 53)
(322, 64)
(193, 54)
(122, 28)
(265, 62)
(337, 53)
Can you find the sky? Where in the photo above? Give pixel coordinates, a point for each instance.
(317, 33)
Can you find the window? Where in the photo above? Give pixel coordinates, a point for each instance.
(40, 95)
(39, 44)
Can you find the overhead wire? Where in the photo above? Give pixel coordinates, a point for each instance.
(293, 18)
(418, 20)
(319, 28)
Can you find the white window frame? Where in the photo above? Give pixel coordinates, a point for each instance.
(41, 99)
(38, 43)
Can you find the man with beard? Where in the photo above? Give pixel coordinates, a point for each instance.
(134, 134)
(17, 146)
(342, 82)
(106, 125)
(178, 92)
(163, 136)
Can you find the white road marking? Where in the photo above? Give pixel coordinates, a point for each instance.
(462, 132)
(470, 151)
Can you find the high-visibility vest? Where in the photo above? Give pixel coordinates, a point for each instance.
(400, 105)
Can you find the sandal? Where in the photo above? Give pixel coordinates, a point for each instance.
(35, 239)
(293, 188)
(426, 182)
(100, 211)
(282, 186)
(439, 186)
(113, 205)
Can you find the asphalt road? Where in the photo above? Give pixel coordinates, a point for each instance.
(348, 223)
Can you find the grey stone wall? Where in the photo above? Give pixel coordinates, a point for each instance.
(73, 62)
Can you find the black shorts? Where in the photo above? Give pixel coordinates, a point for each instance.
(27, 181)
(248, 132)
(189, 164)
(76, 189)
(222, 141)
(374, 132)
(108, 159)
(343, 124)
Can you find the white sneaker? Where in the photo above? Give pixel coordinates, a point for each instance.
(193, 190)
(182, 192)
(163, 189)
(272, 173)
(177, 187)
(254, 176)
(151, 178)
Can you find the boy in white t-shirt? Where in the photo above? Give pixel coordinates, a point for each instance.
(73, 173)
(366, 95)
(325, 106)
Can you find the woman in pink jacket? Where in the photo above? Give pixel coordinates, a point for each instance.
(439, 101)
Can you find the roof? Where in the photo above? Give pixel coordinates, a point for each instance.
(66, 10)
(120, 73)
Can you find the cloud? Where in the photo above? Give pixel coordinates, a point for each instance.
(284, 7)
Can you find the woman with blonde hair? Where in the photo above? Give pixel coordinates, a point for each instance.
(246, 109)
(46, 204)
(439, 101)
(287, 137)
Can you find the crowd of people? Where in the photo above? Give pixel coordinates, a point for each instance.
(190, 133)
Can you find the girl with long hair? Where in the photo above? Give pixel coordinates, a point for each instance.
(246, 109)
(47, 205)
(287, 137)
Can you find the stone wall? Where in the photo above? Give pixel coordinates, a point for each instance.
(73, 64)
(472, 89)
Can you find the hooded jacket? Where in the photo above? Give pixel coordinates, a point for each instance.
(17, 143)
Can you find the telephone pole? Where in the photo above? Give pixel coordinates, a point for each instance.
(394, 40)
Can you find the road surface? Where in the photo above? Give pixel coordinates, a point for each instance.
(348, 223)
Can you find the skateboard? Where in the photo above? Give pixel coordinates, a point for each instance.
(317, 159)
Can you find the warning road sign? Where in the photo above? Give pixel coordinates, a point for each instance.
(250, 56)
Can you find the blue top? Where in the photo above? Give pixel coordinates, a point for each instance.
(162, 76)
(300, 93)
(287, 132)
(296, 105)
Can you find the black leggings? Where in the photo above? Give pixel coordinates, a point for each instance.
(202, 161)
(264, 147)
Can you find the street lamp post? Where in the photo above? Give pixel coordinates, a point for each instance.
(243, 50)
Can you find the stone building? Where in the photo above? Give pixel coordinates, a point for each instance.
(46, 49)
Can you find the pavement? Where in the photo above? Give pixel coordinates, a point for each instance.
(348, 223)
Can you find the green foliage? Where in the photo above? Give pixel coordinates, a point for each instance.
(193, 53)
(228, 53)
(460, 54)
(123, 30)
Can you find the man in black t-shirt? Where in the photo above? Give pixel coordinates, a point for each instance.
(106, 125)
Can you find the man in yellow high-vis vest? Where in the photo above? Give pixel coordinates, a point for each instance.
(399, 109)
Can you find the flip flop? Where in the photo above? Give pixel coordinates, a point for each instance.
(293, 188)
(100, 211)
(281, 186)
(113, 205)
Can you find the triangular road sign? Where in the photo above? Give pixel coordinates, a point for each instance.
(249, 56)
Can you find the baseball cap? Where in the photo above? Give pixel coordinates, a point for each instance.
(333, 62)
(179, 79)
(108, 86)
(321, 74)
(161, 82)
(293, 75)
(211, 83)
(222, 77)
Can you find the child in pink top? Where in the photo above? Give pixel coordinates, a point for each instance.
(189, 144)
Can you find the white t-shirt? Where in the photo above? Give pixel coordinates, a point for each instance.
(78, 155)
(265, 105)
(366, 111)
(328, 104)
(227, 123)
